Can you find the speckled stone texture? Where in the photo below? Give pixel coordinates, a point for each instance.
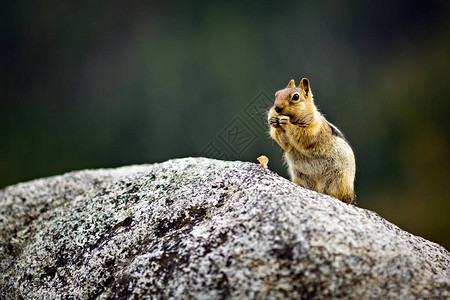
(203, 229)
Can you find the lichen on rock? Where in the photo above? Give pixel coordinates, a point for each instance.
(203, 228)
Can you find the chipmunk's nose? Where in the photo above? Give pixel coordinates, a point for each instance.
(278, 109)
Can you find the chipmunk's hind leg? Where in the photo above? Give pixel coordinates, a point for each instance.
(339, 188)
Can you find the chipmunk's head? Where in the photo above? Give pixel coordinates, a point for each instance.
(296, 102)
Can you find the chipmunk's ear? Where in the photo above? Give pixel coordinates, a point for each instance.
(304, 85)
(291, 84)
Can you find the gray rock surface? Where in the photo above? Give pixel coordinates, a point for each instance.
(204, 229)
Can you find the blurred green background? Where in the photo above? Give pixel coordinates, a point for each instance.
(92, 84)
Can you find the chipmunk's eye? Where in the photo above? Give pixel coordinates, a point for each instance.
(295, 97)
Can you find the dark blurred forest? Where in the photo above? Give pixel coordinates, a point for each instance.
(96, 84)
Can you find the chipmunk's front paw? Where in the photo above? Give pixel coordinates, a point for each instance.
(274, 121)
(283, 120)
(278, 121)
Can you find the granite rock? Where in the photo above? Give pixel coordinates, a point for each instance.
(203, 229)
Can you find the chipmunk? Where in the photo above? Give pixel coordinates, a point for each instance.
(319, 157)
